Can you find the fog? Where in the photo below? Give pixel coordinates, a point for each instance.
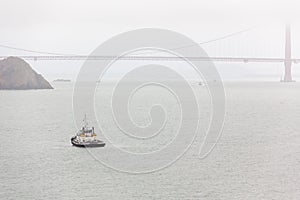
(78, 27)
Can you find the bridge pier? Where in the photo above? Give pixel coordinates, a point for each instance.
(288, 55)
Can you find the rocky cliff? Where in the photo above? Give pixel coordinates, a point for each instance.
(16, 74)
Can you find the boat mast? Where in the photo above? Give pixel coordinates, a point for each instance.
(85, 122)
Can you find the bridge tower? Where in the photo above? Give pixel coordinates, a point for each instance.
(288, 54)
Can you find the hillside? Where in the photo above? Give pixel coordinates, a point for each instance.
(16, 74)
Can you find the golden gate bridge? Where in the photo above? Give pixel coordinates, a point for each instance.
(287, 60)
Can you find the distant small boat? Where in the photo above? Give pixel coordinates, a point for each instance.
(86, 137)
(62, 80)
(201, 84)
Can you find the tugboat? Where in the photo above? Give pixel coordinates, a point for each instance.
(86, 137)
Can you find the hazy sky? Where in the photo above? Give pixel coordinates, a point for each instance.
(77, 27)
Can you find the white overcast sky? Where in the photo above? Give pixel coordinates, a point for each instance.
(78, 27)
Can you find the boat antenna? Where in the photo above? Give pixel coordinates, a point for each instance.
(85, 122)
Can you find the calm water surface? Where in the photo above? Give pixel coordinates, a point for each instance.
(257, 157)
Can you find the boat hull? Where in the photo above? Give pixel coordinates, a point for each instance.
(87, 145)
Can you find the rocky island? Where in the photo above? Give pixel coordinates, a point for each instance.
(16, 74)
